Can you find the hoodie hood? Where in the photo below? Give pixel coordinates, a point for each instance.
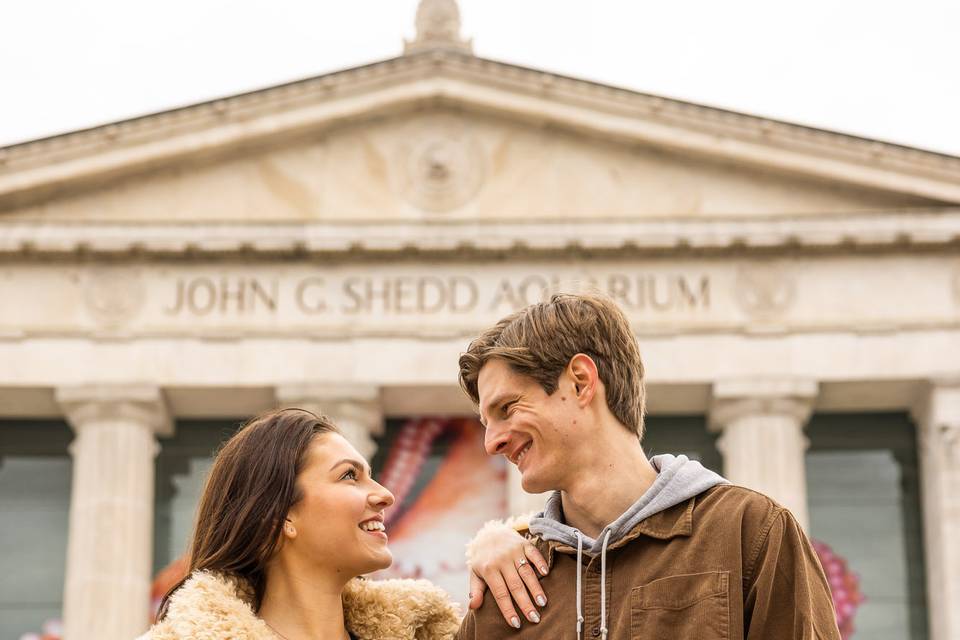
(678, 479)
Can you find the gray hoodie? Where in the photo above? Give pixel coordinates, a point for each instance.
(678, 480)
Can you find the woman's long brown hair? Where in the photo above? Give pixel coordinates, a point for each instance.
(247, 496)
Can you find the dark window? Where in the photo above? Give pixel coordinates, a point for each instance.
(35, 478)
(864, 497)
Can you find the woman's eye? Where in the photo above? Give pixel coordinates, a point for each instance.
(352, 475)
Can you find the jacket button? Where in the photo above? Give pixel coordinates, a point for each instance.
(596, 632)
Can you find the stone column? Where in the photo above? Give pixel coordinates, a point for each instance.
(355, 409)
(519, 502)
(937, 415)
(110, 547)
(762, 439)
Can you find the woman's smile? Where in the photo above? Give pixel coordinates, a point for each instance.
(374, 527)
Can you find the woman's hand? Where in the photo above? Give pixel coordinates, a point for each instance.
(504, 560)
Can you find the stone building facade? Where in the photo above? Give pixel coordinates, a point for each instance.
(335, 243)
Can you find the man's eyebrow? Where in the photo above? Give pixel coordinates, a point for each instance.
(356, 464)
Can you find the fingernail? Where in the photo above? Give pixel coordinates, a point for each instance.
(515, 622)
(543, 570)
(542, 601)
(534, 616)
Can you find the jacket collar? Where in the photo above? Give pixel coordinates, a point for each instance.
(216, 607)
(673, 522)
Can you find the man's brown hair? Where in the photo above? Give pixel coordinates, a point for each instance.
(539, 341)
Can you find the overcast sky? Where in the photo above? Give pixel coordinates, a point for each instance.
(875, 68)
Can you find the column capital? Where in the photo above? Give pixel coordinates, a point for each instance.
(936, 413)
(328, 391)
(738, 398)
(356, 402)
(144, 404)
(355, 408)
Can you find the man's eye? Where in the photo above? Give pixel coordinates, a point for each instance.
(507, 405)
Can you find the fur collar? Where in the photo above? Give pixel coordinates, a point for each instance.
(214, 607)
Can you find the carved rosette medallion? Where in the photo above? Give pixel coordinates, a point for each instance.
(442, 166)
(765, 292)
(113, 296)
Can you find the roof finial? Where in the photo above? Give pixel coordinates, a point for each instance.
(438, 26)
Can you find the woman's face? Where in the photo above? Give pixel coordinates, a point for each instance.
(338, 523)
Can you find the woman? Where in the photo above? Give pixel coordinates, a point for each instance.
(288, 520)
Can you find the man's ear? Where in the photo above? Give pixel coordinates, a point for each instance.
(585, 377)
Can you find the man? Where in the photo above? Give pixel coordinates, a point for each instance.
(634, 548)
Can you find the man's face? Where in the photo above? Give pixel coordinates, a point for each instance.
(535, 431)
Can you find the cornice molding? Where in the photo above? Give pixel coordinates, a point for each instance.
(38, 169)
(442, 333)
(890, 231)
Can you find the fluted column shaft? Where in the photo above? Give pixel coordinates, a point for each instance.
(762, 441)
(110, 547)
(938, 426)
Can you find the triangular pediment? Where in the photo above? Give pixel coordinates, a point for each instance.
(444, 134)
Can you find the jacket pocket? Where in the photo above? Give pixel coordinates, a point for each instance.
(695, 605)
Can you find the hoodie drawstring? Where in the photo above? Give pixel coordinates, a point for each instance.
(603, 587)
(579, 591)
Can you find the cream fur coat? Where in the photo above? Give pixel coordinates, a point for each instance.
(212, 607)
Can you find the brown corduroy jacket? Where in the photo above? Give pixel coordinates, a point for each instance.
(728, 563)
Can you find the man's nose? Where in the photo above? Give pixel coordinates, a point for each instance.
(495, 439)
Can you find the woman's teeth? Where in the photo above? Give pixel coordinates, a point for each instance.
(372, 525)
